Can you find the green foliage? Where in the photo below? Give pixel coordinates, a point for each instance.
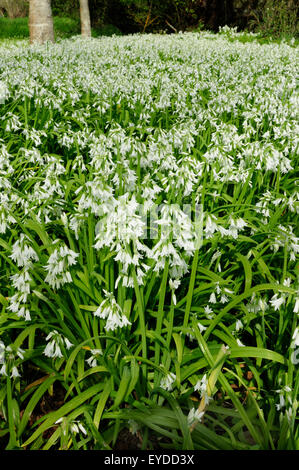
(276, 18)
(106, 30)
(66, 27)
(65, 8)
(14, 28)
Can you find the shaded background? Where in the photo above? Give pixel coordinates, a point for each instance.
(128, 16)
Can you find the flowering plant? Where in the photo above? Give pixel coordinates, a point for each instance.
(148, 242)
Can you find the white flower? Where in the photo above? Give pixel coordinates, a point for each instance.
(25, 313)
(174, 284)
(235, 226)
(211, 226)
(120, 228)
(76, 427)
(276, 301)
(202, 384)
(295, 356)
(202, 387)
(289, 414)
(281, 403)
(133, 426)
(8, 357)
(68, 344)
(58, 264)
(209, 312)
(53, 348)
(49, 349)
(168, 381)
(4, 92)
(23, 253)
(64, 219)
(224, 299)
(2, 352)
(194, 416)
(14, 372)
(295, 337)
(287, 282)
(22, 281)
(201, 327)
(3, 370)
(110, 311)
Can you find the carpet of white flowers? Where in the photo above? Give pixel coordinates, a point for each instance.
(180, 327)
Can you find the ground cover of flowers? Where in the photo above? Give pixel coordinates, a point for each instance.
(148, 244)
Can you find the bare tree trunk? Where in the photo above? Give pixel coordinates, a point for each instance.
(85, 19)
(40, 21)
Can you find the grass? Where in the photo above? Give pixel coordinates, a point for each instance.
(17, 28)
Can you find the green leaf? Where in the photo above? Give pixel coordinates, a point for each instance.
(38, 394)
(63, 411)
(123, 387)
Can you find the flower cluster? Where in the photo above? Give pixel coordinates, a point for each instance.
(58, 266)
(8, 357)
(110, 311)
(56, 344)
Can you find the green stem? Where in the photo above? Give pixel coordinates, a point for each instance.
(12, 431)
(25, 112)
(170, 326)
(162, 294)
(142, 321)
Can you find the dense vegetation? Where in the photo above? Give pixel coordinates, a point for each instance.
(148, 243)
(270, 17)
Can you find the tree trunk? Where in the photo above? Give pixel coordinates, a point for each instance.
(40, 21)
(85, 19)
